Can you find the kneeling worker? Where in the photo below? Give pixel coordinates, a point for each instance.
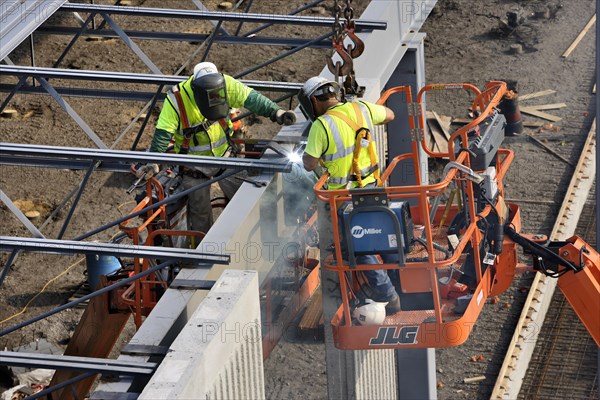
(196, 114)
(332, 138)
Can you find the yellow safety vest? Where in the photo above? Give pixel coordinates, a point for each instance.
(352, 159)
(210, 140)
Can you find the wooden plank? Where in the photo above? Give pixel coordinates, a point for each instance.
(550, 150)
(444, 123)
(314, 313)
(536, 94)
(440, 139)
(539, 114)
(554, 106)
(579, 37)
(474, 379)
(429, 140)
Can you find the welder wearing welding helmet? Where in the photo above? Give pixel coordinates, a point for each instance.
(195, 115)
(205, 99)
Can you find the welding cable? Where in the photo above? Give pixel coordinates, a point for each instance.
(436, 246)
(499, 233)
(42, 291)
(486, 223)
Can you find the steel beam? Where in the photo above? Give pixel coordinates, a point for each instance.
(37, 245)
(131, 44)
(83, 92)
(58, 361)
(326, 22)
(128, 77)
(35, 155)
(186, 37)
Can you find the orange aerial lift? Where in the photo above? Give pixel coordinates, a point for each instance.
(447, 258)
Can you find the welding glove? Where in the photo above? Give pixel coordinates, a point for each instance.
(284, 117)
(147, 171)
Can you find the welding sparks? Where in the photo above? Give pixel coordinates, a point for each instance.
(294, 157)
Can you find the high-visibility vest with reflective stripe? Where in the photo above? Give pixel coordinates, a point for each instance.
(211, 142)
(338, 157)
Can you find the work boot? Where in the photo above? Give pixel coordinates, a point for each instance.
(393, 306)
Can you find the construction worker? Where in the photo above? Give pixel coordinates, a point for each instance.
(196, 115)
(331, 141)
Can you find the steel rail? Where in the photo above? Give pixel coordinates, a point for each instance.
(41, 245)
(59, 362)
(128, 77)
(87, 93)
(326, 22)
(520, 350)
(25, 154)
(185, 37)
(45, 162)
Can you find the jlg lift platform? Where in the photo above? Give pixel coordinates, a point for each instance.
(445, 259)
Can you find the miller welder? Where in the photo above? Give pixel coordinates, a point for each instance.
(371, 224)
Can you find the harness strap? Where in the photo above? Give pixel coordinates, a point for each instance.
(227, 130)
(362, 133)
(185, 122)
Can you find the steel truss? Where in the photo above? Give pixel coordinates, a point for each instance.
(104, 159)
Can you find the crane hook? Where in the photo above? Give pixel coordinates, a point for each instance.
(341, 68)
(358, 46)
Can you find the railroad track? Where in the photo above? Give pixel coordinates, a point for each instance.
(519, 353)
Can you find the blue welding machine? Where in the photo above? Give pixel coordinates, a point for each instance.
(377, 229)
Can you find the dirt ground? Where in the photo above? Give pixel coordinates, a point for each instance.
(463, 44)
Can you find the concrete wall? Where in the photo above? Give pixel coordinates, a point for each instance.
(218, 354)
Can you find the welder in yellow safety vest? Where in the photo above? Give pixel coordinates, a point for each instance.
(196, 115)
(338, 139)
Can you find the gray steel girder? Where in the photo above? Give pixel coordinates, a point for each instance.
(56, 361)
(327, 22)
(36, 245)
(129, 77)
(121, 160)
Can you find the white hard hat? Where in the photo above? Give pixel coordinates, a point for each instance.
(370, 313)
(315, 86)
(315, 83)
(204, 68)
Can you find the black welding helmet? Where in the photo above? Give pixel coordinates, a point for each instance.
(210, 91)
(315, 86)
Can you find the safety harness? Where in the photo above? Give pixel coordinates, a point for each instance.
(188, 131)
(362, 134)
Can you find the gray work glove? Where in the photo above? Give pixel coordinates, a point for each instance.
(147, 171)
(284, 117)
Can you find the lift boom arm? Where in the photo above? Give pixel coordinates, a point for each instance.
(576, 265)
